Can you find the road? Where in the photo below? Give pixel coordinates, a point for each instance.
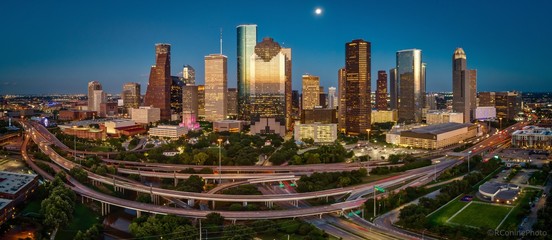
(527, 225)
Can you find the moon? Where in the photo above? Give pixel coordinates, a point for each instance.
(318, 11)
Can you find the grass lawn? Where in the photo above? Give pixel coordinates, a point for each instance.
(442, 215)
(83, 218)
(481, 215)
(514, 220)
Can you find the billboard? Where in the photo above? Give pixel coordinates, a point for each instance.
(485, 113)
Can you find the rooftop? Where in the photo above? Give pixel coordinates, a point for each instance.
(4, 202)
(11, 182)
(534, 130)
(496, 187)
(440, 128)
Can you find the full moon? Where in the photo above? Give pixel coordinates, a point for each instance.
(318, 11)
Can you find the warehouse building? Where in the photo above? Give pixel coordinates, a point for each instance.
(438, 136)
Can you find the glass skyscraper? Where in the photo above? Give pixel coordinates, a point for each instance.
(247, 39)
(410, 80)
(464, 86)
(358, 107)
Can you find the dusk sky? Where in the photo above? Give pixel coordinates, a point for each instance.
(59, 46)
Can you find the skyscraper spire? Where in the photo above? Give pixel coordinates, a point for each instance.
(220, 41)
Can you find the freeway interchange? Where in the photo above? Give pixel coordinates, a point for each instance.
(355, 195)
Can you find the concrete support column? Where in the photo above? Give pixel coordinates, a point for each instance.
(245, 204)
(191, 202)
(138, 213)
(320, 216)
(213, 208)
(233, 221)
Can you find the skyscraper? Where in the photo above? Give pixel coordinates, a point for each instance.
(247, 39)
(357, 87)
(216, 83)
(99, 97)
(342, 101)
(190, 106)
(381, 91)
(201, 101)
(269, 81)
(410, 80)
(188, 74)
(232, 103)
(177, 85)
(463, 86)
(131, 95)
(92, 86)
(159, 85)
(332, 98)
(288, 106)
(322, 97)
(311, 95)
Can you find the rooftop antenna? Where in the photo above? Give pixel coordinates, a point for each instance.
(220, 41)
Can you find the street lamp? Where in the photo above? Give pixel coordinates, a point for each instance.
(220, 154)
(469, 161)
(500, 120)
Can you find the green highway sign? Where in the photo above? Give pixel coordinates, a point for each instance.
(379, 189)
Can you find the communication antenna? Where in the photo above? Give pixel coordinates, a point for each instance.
(220, 41)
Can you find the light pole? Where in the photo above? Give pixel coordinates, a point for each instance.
(500, 120)
(220, 154)
(469, 161)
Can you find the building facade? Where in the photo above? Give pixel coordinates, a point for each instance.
(438, 136)
(168, 131)
(333, 100)
(131, 95)
(188, 75)
(438, 117)
(409, 81)
(381, 91)
(320, 115)
(232, 103)
(93, 86)
(384, 116)
(342, 101)
(311, 94)
(190, 106)
(357, 87)
(216, 84)
(247, 39)
(320, 133)
(201, 101)
(159, 84)
(177, 85)
(146, 115)
(532, 137)
(464, 84)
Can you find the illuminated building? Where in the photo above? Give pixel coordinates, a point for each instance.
(342, 101)
(464, 84)
(269, 81)
(247, 39)
(438, 117)
(190, 106)
(168, 131)
(201, 101)
(131, 95)
(322, 97)
(215, 87)
(145, 115)
(234, 126)
(311, 87)
(232, 103)
(188, 75)
(332, 98)
(438, 136)
(93, 86)
(320, 115)
(320, 133)
(410, 80)
(532, 137)
(381, 91)
(393, 89)
(98, 97)
(159, 85)
(357, 87)
(383, 116)
(177, 85)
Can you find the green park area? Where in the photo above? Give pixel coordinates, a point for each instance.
(441, 216)
(83, 219)
(481, 215)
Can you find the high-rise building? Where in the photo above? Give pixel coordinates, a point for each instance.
(381, 91)
(247, 39)
(159, 85)
(463, 86)
(393, 89)
(322, 97)
(341, 75)
(507, 104)
(410, 80)
(357, 87)
(201, 101)
(188, 75)
(311, 95)
(131, 95)
(288, 107)
(216, 82)
(232, 103)
(295, 103)
(486, 99)
(99, 97)
(190, 106)
(92, 86)
(332, 98)
(270, 81)
(177, 85)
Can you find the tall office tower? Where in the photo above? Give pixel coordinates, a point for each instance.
(332, 98)
(188, 75)
(247, 39)
(92, 86)
(177, 85)
(159, 85)
(131, 95)
(98, 97)
(216, 83)
(393, 89)
(311, 95)
(410, 80)
(232, 103)
(288, 107)
(269, 81)
(295, 105)
(431, 101)
(201, 101)
(190, 106)
(381, 91)
(463, 86)
(358, 108)
(341, 75)
(486, 99)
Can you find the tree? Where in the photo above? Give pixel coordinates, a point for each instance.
(167, 226)
(238, 232)
(214, 218)
(79, 174)
(200, 158)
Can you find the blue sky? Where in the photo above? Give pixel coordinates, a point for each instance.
(57, 47)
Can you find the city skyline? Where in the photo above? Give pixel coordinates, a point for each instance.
(96, 51)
